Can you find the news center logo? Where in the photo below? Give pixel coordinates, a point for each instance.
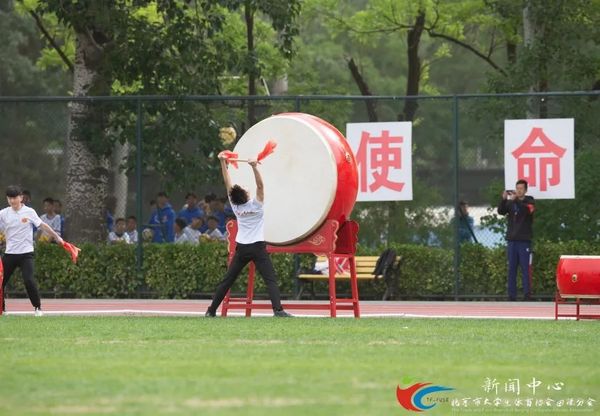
(420, 396)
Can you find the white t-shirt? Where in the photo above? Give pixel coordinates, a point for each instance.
(53, 222)
(113, 238)
(193, 233)
(18, 228)
(185, 237)
(250, 220)
(133, 236)
(215, 234)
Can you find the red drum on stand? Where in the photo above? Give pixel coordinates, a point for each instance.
(578, 276)
(310, 178)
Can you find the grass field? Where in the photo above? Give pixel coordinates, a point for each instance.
(197, 366)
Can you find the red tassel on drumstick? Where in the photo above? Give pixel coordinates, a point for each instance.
(269, 148)
(233, 157)
(72, 250)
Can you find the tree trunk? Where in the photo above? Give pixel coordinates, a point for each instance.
(87, 173)
(396, 212)
(280, 86)
(251, 61)
(511, 52)
(120, 180)
(364, 90)
(413, 78)
(533, 38)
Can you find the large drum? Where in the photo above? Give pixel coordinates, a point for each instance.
(311, 176)
(578, 276)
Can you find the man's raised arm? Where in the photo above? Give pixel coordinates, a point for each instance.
(260, 188)
(225, 173)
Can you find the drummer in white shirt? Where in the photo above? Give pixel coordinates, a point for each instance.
(17, 222)
(250, 241)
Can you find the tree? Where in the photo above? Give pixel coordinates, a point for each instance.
(282, 15)
(27, 130)
(107, 36)
(148, 47)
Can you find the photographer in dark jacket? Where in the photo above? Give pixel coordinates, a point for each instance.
(518, 209)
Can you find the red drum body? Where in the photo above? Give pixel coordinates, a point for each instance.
(311, 177)
(578, 276)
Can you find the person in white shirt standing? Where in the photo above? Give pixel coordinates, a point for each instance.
(17, 221)
(251, 245)
(50, 217)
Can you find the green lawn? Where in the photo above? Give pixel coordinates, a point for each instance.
(157, 365)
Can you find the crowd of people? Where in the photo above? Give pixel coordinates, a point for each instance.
(198, 220)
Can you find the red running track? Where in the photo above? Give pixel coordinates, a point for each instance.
(143, 307)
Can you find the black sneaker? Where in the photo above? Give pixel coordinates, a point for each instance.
(282, 314)
(210, 314)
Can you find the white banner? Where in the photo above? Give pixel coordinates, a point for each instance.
(383, 153)
(542, 153)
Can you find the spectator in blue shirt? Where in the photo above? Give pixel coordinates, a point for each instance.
(465, 224)
(217, 210)
(191, 210)
(163, 219)
(110, 204)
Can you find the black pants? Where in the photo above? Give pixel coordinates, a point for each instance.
(25, 261)
(244, 254)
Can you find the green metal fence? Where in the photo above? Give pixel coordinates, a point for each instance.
(169, 143)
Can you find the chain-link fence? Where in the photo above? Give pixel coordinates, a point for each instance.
(140, 147)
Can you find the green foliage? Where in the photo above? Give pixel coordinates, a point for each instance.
(562, 220)
(483, 270)
(170, 271)
(179, 270)
(184, 271)
(425, 270)
(564, 53)
(167, 48)
(29, 131)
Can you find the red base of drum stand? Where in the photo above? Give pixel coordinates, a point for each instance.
(577, 302)
(577, 283)
(332, 240)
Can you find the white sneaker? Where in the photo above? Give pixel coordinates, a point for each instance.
(38, 312)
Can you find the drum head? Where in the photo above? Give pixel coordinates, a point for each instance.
(300, 177)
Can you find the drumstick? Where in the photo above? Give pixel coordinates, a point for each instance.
(269, 148)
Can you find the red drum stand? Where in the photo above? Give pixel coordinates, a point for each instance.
(578, 283)
(333, 240)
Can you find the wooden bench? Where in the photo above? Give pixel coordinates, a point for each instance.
(365, 265)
